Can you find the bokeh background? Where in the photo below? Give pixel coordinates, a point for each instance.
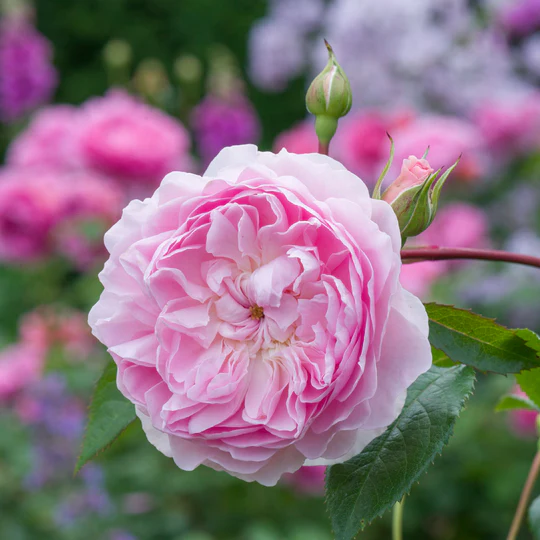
(99, 99)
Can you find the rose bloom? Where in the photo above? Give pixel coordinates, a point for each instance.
(256, 316)
(30, 203)
(127, 139)
(49, 140)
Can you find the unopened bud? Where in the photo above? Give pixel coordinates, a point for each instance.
(329, 97)
(414, 195)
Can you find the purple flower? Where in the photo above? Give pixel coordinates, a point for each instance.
(220, 122)
(28, 76)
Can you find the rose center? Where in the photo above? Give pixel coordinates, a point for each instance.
(256, 311)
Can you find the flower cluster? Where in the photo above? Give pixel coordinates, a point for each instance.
(69, 174)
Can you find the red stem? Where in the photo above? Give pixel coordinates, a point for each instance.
(323, 148)
(444, 253)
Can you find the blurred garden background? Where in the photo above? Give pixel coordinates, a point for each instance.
(100, 99)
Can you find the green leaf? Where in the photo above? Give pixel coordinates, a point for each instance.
(367, 485)
(440, 359)
(471, 339)
(511, 402)
(108, 415)
(534, 518)
(529, 382)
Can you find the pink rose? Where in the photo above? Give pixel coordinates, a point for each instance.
(256, 316)
(413, 173)
(124, 138)
(448, 138)
(49, 141)
(30, 203)
(20, 365)
(300, 139)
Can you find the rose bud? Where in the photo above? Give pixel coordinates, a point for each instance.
(329, 97)
(414, 195)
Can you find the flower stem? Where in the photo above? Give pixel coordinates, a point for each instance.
(323, 148)
(397, 520)
(444, 253)
(524, 498)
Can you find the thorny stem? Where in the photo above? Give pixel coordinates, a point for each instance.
(524, 498)
(445, 253)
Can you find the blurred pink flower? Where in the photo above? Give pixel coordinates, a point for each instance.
(455, 225)
(510, 127)
(447, 137)
(522, 422)
(49, 141)
(129, 140)
(309, 480)
(30, 203)
(91, 205)
(361, 142)
(20, 365)
(300, 139)
(46, 328)
(46, 211)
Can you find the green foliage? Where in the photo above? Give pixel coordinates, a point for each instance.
(440, 359)
(511, 402)
(534, 518)
(369, 484)
(529, 381)
(109, 414)
(479, 342)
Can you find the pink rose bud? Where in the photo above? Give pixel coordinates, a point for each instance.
(414, 195)
(414, 172)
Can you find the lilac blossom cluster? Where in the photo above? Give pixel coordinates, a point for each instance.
(433, 56)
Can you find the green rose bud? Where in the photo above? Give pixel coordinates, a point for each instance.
(329, 97)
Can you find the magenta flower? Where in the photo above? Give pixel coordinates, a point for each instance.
(130, 141)
(256, 316)
(28, 76)
(219, 122)
(45, 211)
(49, 141)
